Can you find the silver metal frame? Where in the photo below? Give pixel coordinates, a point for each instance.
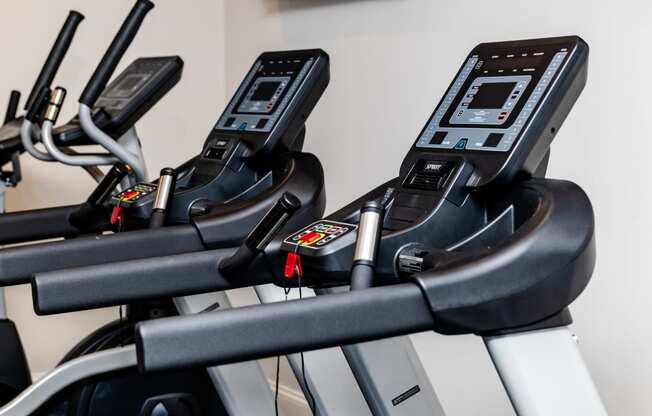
(329, 377)
(544, 374)
(66, 374)
(367, 381)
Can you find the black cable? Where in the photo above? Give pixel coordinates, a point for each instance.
(278, 370)
(278, 357)
(122, 335)
(311, 399)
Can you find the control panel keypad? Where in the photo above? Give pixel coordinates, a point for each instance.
(320, 233)
(135, 193)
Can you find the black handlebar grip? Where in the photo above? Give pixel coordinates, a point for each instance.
(114, 54)
(41, 99)
(262, 234)
(108, 184)
(276, 218)
(12, 106)
(57, 53)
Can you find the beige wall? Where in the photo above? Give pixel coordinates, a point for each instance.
(171, 133)
(391, 61)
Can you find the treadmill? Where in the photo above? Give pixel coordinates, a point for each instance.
(470, 238)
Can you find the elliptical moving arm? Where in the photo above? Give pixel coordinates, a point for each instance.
(100, 79)
(40, 90)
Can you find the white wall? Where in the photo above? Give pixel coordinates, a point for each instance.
(391, 61)
(171, 133)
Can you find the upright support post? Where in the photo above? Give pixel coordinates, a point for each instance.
(544, 373)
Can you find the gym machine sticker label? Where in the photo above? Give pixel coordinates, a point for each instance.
(320, 233)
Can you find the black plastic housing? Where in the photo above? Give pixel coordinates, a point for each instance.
(116, 121)
(500, 278)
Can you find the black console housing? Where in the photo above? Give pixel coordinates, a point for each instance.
(243, 153)
(493, 127)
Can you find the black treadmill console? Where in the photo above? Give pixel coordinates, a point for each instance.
(275, 98)
(496, 120)
(505, 105)
(127, 98)
(266, 114)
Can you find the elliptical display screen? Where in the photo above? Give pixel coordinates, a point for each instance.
(490, 102)
(264, 95)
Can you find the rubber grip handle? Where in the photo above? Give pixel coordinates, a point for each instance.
(109, 183)
(41, 100)
(284, 208)
(57, 53)
(12, 106)
(261, 235)
(114, 54)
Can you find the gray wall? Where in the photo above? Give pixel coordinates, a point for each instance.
(391, 62)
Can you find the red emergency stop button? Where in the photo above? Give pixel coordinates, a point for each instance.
(311, 238)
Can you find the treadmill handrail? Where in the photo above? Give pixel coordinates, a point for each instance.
(18, 264)
(446, 293)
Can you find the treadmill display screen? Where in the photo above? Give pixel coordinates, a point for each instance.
(265, 94)
(265, 90)
(492, 95)
(492, 98)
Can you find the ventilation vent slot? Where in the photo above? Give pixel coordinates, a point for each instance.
(426, 181)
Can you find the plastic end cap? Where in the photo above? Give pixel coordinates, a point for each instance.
(168, 172)
(372, 206)
(77, 16)
(290, 202)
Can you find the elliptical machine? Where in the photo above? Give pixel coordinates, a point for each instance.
(117, 108)
(469, 239)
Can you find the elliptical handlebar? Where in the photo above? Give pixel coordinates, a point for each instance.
(40, 94)
(12, 106)
(99, 81)
(56, 55)
(115, 52)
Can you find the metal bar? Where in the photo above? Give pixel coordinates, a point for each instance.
(544, 373)
(66, 375)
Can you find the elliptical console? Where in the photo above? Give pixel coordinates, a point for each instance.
(126, 99)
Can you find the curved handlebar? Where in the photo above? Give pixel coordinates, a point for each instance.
(116, 50)
(57, 53)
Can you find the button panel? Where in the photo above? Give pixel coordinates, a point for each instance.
(320, 233)
(442, 133)
(134, 194)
